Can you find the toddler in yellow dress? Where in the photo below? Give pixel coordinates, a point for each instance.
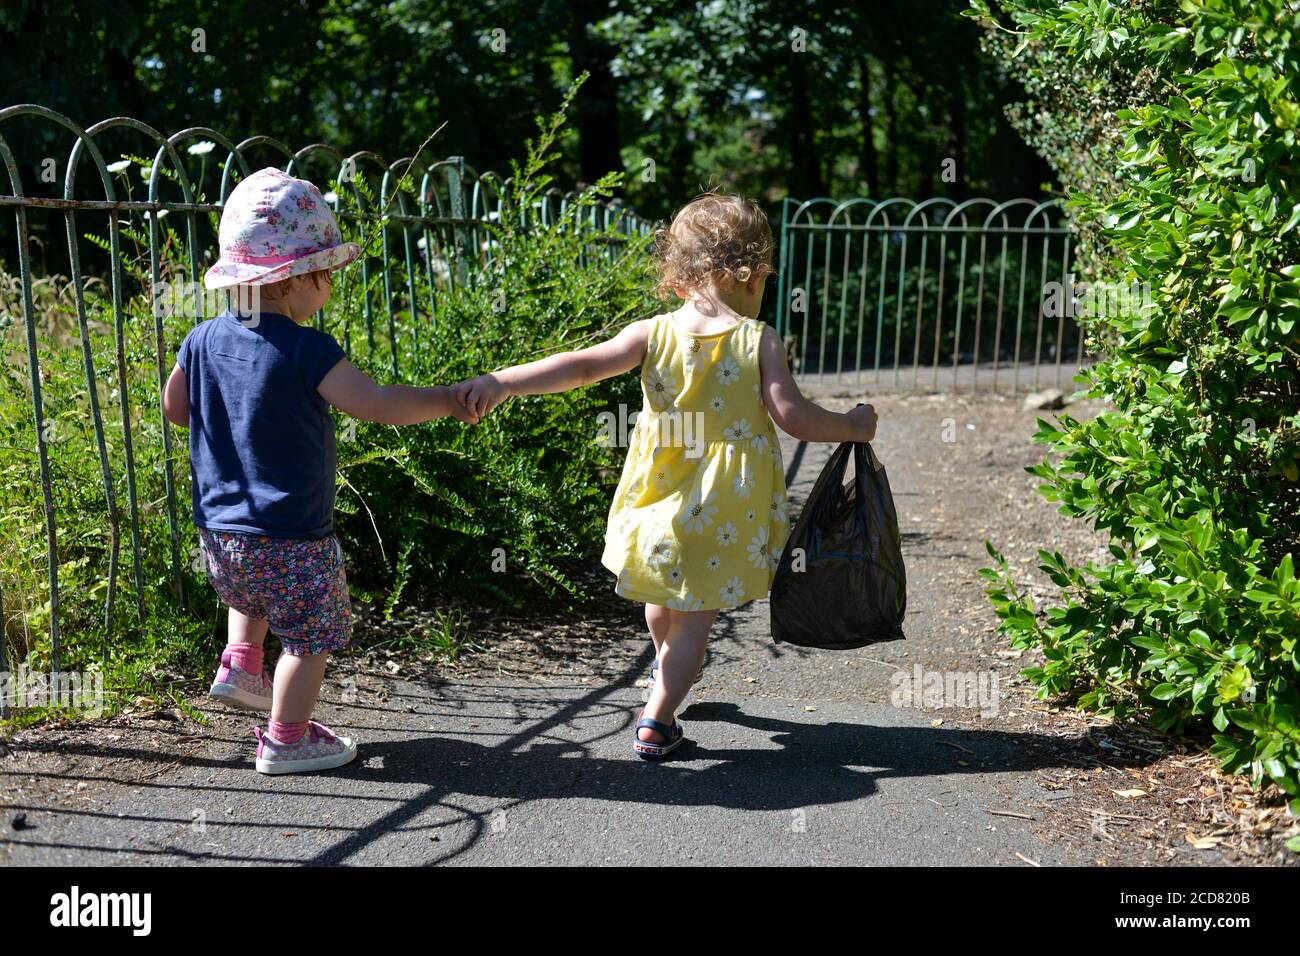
(700, 514)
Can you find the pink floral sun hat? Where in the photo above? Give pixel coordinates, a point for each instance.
(274, 227)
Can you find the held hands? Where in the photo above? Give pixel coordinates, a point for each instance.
(478, 396)
(459, 412)
(864, 422)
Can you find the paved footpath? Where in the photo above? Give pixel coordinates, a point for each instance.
(797, 757)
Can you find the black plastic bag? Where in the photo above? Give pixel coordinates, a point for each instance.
(852, 590)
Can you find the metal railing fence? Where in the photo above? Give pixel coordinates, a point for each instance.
(957, 288)
(438, 230)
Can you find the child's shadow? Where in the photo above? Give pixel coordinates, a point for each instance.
(814, 764)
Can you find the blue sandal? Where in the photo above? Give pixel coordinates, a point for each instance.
(674, 737)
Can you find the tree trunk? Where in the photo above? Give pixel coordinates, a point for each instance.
(600, 148)
(870, 158)
(808, 181)
(957, 114)
(891, 127)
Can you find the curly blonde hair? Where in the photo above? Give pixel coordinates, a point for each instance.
(714, 240)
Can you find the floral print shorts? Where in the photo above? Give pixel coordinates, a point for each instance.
(298, 586)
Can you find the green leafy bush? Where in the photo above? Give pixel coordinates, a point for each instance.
(1193, 475)
(1072, 102)
(527, 490)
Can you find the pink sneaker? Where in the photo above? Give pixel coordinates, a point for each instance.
(238, 688)
(319, 749)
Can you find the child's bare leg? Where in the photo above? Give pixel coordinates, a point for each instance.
(297, 687)
(243, 629)
(679, 661)
(657, 619)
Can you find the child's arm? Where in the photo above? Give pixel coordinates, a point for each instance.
(176, 398)
(556, 373)
(796, 415)
(354, 393)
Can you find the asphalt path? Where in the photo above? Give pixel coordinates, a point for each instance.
(796, 757)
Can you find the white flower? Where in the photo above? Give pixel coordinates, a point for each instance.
(202, 148)
(332, 198)
(738, 430)
(663, 480)
(760, 555)
(732, 592)
(760, 444)
(727, 534)
(744, 483)
(685, 603)
(675, 575)
(715, 562)
(623, 584)
(146, 172)
(728, 371)
(660, 388)
(661, 555)
(121, 166)
(698, 514)
(161, 213)
(779, 506)
(717, 403)
(694, 355)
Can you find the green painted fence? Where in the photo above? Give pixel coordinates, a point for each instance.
(927, 295)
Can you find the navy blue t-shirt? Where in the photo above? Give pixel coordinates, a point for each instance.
(262, 452)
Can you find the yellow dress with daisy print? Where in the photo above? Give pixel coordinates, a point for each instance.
(700, 514)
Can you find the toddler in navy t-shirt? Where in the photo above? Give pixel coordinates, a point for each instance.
(254, 389)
